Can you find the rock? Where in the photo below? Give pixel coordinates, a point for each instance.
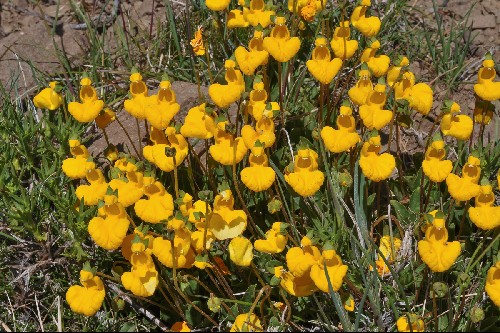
(484, 22)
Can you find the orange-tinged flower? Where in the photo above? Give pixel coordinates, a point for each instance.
(466, 187)
(139, 102)
(224, 95)
(342, 46)
(241, 251)
(492, 286)
(162, 107)
(91, 194)
(246, 322)
(305, 179)
(110, 228)
(435, 250)
(275, 241)
(180, 326)
(217, 5)
(415, 324)
(225, 222)
(378, 64)
(86, 299)
(105, 117)
(197, 42)
(227, 149)
(279, 44)
(345, 137)
(376, 166)
(235, 19)
(258, 176)
(159, 205)
(49, 98)
(359, 93)
(90, 106)
(372, 113)
(334, 268)
(257, 14)
(198, 124)
(485, 214)
(486, 87)
(76, 167)
(457, 126)
(435, 166)
(130, 190)
(322, 67)
(368, 26)
(142, 279)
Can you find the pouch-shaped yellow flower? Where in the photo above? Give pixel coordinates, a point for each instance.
(376, 166)
(246, 322)
(49, 98)
(342, 46)
(76, 167)
(241, 251)
(492, 286)
(420, 98)
(345, 137)
(90, 106)
(200, 237)
(109, 230)
(142, 279)
(198, 124)
(334, 267)
(435, 166)
(394, 72)
(182, 256)
(225, 222)
(217, 5)
(483, 111)
(372, 113)
(305, 179)
(378, 64)
(263, 132)
(435, 250)
(105, 117)
(415, 324)
(180, 326)
(275, 241)
(485, 214)
(298, 286)
(322, 67)
(368, 26)
(359, 93)
(485, 87)
(125, 164)
(257, 14)
(159, 205)
(86, 299)
(131, 189)
(139, 102)
(164, 159)
(162, 107)
(91, 194)
(466, 187)
(279, 44)
(248, 61)
(235, 19)
(224, 95)
(389, 250)
(299, 260)
(127, 247)
(227, 150)
(457, 126)
(258, 176)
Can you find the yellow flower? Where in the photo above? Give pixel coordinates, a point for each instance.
(248, 61)
(224, 95)
(435, 166)
(300, 260)
(394, 72)
(420, 98)
(91, 194)
(180, 326)
(165, 154)
(376, 166)
(86, 299)
(241, 251)
(128, 247)
(416, 323)
(349, 304)
(368, 26)
(297, 5)
(263, 132)
(142, 279)
(275, 241)
(110, 228)
(465, 188)
(225, 222)
(200, 237)
(485, 215)
(258, 176)
(257, 14)
(217, 5)
(125, 165)
(457, 126)
(76, 167)
(198, 124)
(359, 93)
(299, 286)
(159, 205)
(130, 190)
(247, 322)
(334, 267)
(486, 88)
(162, 107)
(345, 137)
(309, 11)
(321, 66)
(342, 46)
(49, 98)
(372, 113)
(182, 255)
(435, 250)
(386, 247)
(378, 64)
(279, 44)
(492, 286)
(227, 150)
(235, 19)
(305, 179)
(483, 111)
(104, 118)
(90, 106)
(137, 105)
(197, 42)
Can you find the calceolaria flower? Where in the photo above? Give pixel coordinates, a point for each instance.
(485, 214)
(435, 164)
(180, 326)
(279, 44)
(359, 93)
(342, 46)
(241, 251)
(466, 187)
(376, 166)
(307, 9)
(105, 117)
(169, 154)
(142, 279)
(224, 95)
(177, 251)
(257, 14)
(345, 137)
(95, 191)
(235, 19)
(322, 66)
(305, 179)
(158, 206)
(378, 64)
(258, 176)
(368, 26)
(49, 98)
(86, 299)
(372, 113)
(90, 106)
(76, 167)
(225, 222)
(130, 189)
(217, 5)
(139, 102)
(394, 72)
(197, 42)
(335, 269)
(486, 87)
(246, 322)
(227, 149)
(483, 111)
(492, 286)
(420, 97)
(389, 248)
(435, 250)
(276, 240)
(163, 106)
(410, 322)
(198, 123)
(248, 61)
(459, 126)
